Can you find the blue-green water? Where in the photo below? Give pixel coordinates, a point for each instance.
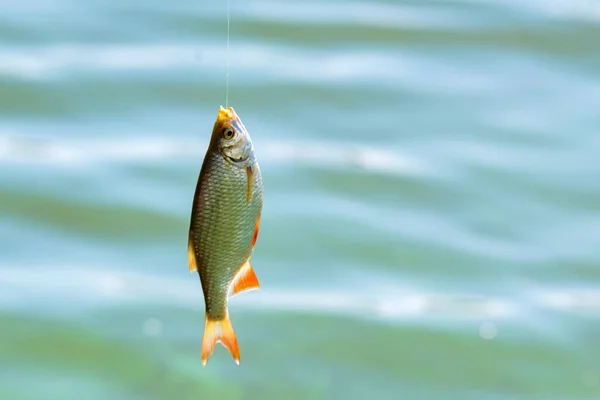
(431, 227)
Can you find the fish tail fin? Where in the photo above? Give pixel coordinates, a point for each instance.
(219, 331)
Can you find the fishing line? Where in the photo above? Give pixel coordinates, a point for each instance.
(227, 60)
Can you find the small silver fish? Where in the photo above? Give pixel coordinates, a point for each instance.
(224, 226)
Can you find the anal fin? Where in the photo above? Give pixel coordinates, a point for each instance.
(191, 254)
(245, 279)
(219, 331)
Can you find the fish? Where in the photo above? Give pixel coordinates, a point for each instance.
(224, 225)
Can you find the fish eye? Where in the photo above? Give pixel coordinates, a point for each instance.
(228, 133)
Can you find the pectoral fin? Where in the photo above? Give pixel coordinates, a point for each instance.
(191, 253)
(250, 175)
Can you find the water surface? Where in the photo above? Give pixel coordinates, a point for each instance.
(432, 202)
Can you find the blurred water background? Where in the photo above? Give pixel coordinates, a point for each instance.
(431, 225)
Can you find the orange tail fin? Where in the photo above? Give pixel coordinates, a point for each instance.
(219, 331)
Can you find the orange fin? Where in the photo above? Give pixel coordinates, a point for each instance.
(245, 279)
(191, 254)
(256, 228)
(219, 331)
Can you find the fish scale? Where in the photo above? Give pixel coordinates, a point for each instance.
(229, 223)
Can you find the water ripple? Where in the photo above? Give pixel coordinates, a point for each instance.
(21, 149)
(103, 287)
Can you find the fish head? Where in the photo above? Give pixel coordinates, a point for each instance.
(232, 139)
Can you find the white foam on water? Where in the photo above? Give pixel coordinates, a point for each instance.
(57, 61)
(571, 300)
(50, 61)
(17, 149)
(76, 288)
(367, 68)
(371, 158)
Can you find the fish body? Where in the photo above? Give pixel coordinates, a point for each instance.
(224, 226)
